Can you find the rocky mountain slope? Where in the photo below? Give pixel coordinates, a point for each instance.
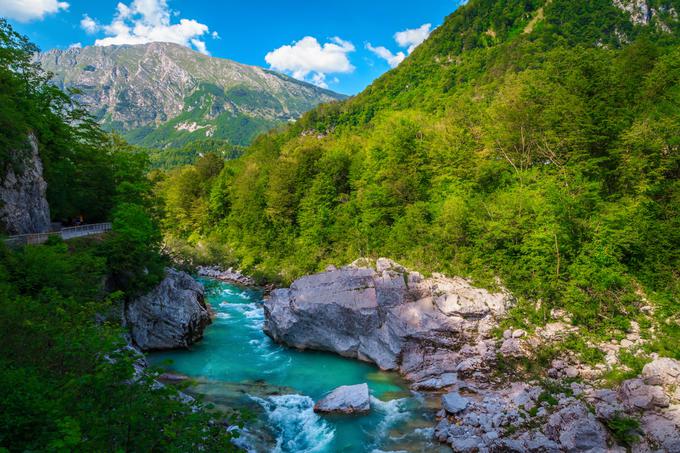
(163, 94)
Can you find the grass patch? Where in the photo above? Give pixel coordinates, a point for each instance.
(624, 429)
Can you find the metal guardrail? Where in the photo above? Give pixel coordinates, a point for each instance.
(65, 233)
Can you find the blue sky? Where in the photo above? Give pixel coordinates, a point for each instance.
(340, 45)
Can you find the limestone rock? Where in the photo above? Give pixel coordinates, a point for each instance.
(639, 11)
(385, 315)
(663, 371)
(348, 399)
(453, 403)
(436, 382)
(512, 347)
(663, 431)
(638, 395)
(576, 429)
(23, 193)
(171, 316)
(229, 275)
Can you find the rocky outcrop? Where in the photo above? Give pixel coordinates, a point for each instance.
(645, 13)
(23, 199)
(229, 275)
(387, 315)
(348, 399)
(171, 316)
(438, 333)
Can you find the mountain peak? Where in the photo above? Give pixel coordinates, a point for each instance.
(163, 94)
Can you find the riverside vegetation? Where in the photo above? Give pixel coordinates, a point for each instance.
(531, 140)
(67, 382)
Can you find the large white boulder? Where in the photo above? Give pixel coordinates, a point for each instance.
(348, 399)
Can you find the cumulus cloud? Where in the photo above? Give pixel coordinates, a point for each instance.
(76, 45)
(308, 60)
(89, 25)
(392, 59)
(409, 39)
(145, 21)
(412, 38)
(28, 10)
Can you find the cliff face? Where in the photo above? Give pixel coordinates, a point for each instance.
(23, 202)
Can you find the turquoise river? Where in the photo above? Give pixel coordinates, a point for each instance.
(238, 366)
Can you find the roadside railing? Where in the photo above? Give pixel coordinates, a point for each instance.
(65, 233)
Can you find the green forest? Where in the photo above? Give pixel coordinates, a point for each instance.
(68, 381)
(534, 141)
(529, 143)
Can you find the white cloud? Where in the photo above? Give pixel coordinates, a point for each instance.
(28, 10)
(200, 46)
(308, 60)
(409, 39)
(76, 45)
(89, 25)
(412, 38)
(392, 59)
(145, 21)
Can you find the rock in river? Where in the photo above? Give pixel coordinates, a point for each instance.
(171, 316)
(384, 314)
(348, 399)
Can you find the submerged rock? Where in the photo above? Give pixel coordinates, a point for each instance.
(348, 399)
(171, 316)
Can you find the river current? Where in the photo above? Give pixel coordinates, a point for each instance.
(238, 366)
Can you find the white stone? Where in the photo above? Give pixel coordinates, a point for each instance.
(348, 399)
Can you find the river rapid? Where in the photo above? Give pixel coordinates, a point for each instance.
(238, 366)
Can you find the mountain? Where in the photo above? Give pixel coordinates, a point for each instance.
(535, 141)
(166, 95)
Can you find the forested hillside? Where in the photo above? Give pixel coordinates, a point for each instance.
(531, 140)
(68, 381)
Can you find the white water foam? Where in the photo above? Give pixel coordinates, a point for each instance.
(297, 427)
(393, 411)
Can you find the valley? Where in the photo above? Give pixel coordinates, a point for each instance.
(478, 252)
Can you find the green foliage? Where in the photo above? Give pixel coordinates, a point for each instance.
(169, 158)
(631, 366)
(525, 140)
(87, 172)
(67, 383)
(624, 429)
(132, 251)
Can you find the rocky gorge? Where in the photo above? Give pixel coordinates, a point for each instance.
(442, 334)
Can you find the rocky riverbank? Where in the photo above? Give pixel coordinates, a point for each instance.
(229, 275)
(439, 333)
